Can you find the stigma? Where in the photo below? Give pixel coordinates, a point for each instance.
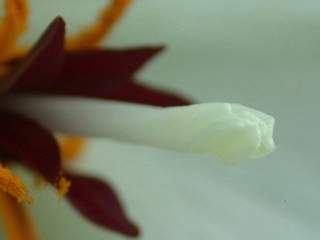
(230, 132)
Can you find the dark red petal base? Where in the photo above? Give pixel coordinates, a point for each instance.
(23, 140)
(98, 202)
(42, 65)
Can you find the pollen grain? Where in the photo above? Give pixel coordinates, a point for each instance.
(63, 186)
(13, 185)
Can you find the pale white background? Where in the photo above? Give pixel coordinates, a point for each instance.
(265, 54)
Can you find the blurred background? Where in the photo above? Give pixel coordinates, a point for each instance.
(263, 54)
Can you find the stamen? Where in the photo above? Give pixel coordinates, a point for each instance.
(12, 25)
(63, 186)
(93, 35)
(16, 221)
(15, 21)
(13, 185)
(71, 147)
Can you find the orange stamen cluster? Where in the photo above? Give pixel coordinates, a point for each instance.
(70, 147)
(13, 185)
(63, 186)
(16, 221)
(12, 25)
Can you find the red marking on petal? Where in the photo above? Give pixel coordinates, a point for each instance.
(98, 202)
(137, 93)
(24, 140)
(42, 65)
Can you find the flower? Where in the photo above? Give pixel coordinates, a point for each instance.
(82, 69)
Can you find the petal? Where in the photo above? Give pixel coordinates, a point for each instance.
(137, 93)
(16, 220)
(107, 64)
(99, 72)
(24, 140)
(109, 74)
(42, 64)
(180, 196)
(98, 202)
(126, 92)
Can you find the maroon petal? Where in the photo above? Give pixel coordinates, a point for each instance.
(24, 140)
(87, 66)
(42, 64)
(137, 93)
(93, 72)
(127, 91)
(98, 202)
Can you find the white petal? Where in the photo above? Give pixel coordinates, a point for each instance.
(230, 132)
(176, 196)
